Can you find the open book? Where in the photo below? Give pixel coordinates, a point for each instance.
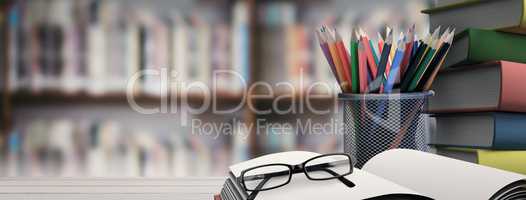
(394, 174)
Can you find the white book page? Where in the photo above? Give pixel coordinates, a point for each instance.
(367, 186)
(439, 177)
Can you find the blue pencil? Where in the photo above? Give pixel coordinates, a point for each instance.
(395, 67)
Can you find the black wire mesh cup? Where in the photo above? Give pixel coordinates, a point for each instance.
(373, 123)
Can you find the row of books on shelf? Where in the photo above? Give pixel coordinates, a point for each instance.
(288, 51)
(63, 147)
(100, 49)
(99, 46)
(109, 148)
(480, 104)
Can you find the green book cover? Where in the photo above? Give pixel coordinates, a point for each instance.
(487, 45)
(518, 22)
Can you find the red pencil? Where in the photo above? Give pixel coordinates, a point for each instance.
(344, 57)
(368, 51)
(380, 43)
(362, 68)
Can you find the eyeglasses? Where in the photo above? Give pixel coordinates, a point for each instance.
(272, 176)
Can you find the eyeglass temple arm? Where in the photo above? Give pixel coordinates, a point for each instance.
(324, 167)
(258, 187)
(344, 180)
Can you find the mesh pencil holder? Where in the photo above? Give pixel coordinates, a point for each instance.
(374, 123)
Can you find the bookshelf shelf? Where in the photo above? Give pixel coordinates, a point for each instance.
(50, 97)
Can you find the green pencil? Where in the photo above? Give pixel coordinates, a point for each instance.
(354, 64)
(375, 56)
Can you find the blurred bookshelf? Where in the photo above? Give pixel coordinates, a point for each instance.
(58, 97)
(65, 112)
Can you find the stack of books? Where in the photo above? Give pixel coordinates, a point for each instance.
(480, 103)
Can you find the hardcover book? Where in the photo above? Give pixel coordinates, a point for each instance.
(481, 130)
(476, 46)
(492, 86)
(506, 160)
(504, 15)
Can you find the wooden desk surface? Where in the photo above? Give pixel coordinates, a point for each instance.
(110, 188)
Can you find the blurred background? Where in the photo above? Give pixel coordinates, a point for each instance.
(66, 68)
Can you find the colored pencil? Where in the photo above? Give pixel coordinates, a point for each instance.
(380, 41)
(374, 50)
(389, 59)
(421, 77)
(380, 76)
(325, 49)
(337, 61)
(344, 56)
(429, 82)
(407, 62)
(371, 61)
(408, 51)
(429, 54)
(362, 67)
(413, 65)
(395, 67)
(355, 87)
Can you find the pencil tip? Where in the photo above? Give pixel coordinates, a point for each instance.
(380, 38)
(435, 33)
(446, 31)
(318, 37)
(437, 29)
(362, 33)
(451, 36)
(389, 38)
(352, 34)
(402, 39)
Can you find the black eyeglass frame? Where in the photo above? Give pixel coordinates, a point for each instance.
(299, 168)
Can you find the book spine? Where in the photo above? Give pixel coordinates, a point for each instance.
(523, 21)
(509, 131)
(511, 99)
